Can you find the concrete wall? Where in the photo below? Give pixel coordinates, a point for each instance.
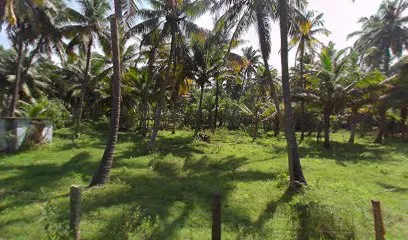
(16, 132)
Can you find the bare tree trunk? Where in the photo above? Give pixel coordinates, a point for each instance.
(15, 97)
(103, 172)
(144, 120)
(297, 178)
(162, 94)
(404, 113)
(84, 87)
(326, 126)
(302, 104)
(217, 94)
(199, 112)
(353, 125)
(382, 124)
(176, 94)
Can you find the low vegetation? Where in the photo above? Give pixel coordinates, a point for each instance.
(167, 194)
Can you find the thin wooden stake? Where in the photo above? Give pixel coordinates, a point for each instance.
(75, 214)
(378, 221)
(216, 217)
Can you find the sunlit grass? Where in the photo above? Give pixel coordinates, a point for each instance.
(167, 194)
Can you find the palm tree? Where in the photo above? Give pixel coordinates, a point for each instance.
(102, 174)
(245, 13)
(164, 19)
(303, 35)
(329, 84)
(87, 25)
(35, 22)
(208, 56)
(384, 33)
(382, 36)
(253, 61)
(295, 169)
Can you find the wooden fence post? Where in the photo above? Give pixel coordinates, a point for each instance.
(75, 213)
(378, 221)
(216, 217)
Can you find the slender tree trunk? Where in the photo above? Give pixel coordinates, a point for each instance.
(404, 114)
(176, 94)
(144, 120)
(217, 94)
(295, 169)
(15, 97)
(382, 124)
(326, 126)
(103, 172)
(353, 125)
(162, 94)
(199, 112)
(302, 104)
(84, 87)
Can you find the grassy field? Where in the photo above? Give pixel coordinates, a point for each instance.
(167, 194)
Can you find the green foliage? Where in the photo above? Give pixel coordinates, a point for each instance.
(46, 109)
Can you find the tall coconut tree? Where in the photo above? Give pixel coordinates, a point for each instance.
(84, 28)
(382, 37)
(208, 56)
(297, 178)
(167, 20)
(243, 14)
(103, 173)
(304, 38)
(34, 25)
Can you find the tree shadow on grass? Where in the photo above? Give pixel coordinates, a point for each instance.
(392, 188)
(34, 182)
(344, 153)
(193, 184)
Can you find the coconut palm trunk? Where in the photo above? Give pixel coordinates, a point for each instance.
(217, 96)
(354, 112)
(404, 114)
(144, 119)
(83, 87)
(382, 124)
(326, 126)
(103, 172)
(15, 97)
(162, 86)
(200, 111)
(302, 104)
(297, 178)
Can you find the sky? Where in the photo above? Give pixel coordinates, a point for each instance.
(340, 18)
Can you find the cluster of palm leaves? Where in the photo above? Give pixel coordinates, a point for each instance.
(151, 64)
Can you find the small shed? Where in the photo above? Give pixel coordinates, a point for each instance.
(16, 133)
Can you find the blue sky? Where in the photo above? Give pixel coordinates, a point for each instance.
(340, 18)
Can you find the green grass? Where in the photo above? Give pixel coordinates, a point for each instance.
(167, 194)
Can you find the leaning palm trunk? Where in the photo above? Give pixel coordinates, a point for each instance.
(162, 94)
(15, 96)
(297, 178)
(83, 87)
(199, 112)
(103, 172)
